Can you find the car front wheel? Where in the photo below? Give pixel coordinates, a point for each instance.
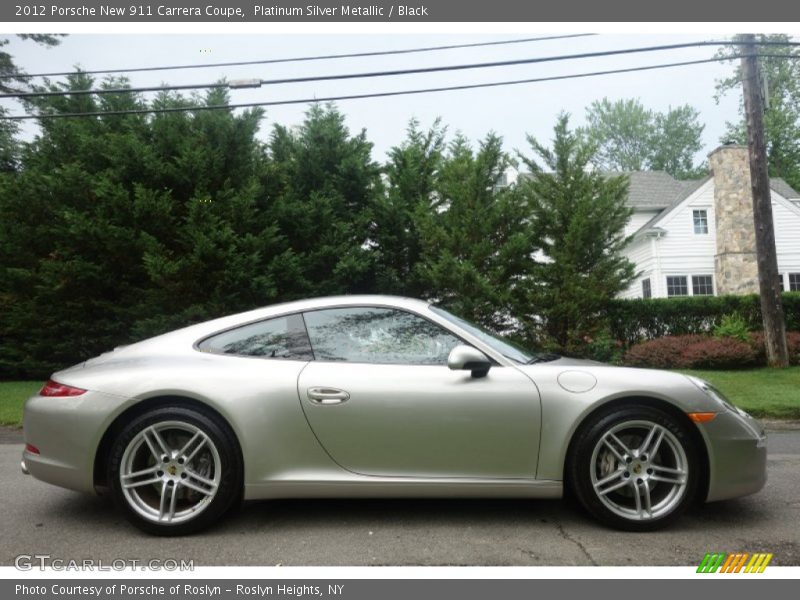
(634, 468)
(174, 470)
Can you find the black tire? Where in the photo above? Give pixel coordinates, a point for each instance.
(219, 451)
(620, 508)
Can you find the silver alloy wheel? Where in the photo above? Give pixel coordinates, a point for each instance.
(639, 470)
(170, 472)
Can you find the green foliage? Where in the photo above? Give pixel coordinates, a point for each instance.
(412, 176)
(782, 118)
(10, 73)
(603, 348)
(630, 137)
(122, 227)
(476, 241)
(578, 218)
(732, 326)
(323, 184)
(632, 321)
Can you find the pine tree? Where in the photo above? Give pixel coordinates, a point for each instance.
(412, 176)
(124, 226)
(476, 241)
(578, 218)
(322, 182)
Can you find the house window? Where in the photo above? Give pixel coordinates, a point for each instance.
(677, 286)
(780, 281)
(647, 291)
(702, 285)
(794, 282)
(700, 218)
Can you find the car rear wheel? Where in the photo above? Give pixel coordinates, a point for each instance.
(634, 468)
(174, 470)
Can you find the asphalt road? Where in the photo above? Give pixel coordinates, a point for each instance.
(41, 519)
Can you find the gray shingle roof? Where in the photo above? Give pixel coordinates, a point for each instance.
(657, 189)
(784, 189)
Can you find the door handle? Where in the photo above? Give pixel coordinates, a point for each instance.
(327, 395)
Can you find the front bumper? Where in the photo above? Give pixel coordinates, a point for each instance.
(737, 447)
(67, 432)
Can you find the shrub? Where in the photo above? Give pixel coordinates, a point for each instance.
(756, 341)
(602, 348)
(632, 321)
(706, 352)
(661, 353)
(732, 326)
(718, 353)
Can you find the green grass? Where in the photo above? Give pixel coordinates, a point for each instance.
(12, 396)
(770, 393)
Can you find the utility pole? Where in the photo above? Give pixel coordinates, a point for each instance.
(768, 284)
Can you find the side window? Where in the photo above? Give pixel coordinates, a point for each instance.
(284, 337)
(377, 335)
(700, 221)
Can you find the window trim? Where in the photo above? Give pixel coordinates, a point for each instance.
(686, 285)
(301, 312)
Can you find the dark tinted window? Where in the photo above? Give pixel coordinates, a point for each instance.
(702, 285)
(676, 286)
(700, 218)
(647, 290)
(377, 335)
(284, 337)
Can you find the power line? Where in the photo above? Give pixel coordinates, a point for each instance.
(376, 94)
(304, 58)
(390, 73)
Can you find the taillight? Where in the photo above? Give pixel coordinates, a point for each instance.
(31, 449)
(53, 388)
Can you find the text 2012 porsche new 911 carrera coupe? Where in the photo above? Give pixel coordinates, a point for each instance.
(377, 396)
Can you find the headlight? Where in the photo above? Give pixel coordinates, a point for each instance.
(715, 394)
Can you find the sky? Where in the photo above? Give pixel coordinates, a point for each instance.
(512, 112)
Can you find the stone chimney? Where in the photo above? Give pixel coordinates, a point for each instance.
(735, 266)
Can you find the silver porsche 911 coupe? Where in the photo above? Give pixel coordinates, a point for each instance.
(377, 396)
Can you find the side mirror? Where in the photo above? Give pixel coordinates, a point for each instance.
(467, 358)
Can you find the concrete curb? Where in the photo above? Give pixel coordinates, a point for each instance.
(781, 424)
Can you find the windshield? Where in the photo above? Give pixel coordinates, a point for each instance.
(504, 347)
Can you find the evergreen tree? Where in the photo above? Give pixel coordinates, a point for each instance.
(476, 241)
(323, 182)
(124, 226)
(412, 178)
(578, 217)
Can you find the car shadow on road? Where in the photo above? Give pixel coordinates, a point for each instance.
(305, 515)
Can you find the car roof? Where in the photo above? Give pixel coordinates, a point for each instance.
(193, 333)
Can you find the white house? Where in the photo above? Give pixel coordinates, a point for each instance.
(695, 238)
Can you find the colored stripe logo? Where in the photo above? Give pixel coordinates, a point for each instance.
(738, 562)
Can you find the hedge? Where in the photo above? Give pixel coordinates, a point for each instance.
(706, 352)
(632, 321)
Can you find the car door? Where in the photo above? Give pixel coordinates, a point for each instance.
(381, 400)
